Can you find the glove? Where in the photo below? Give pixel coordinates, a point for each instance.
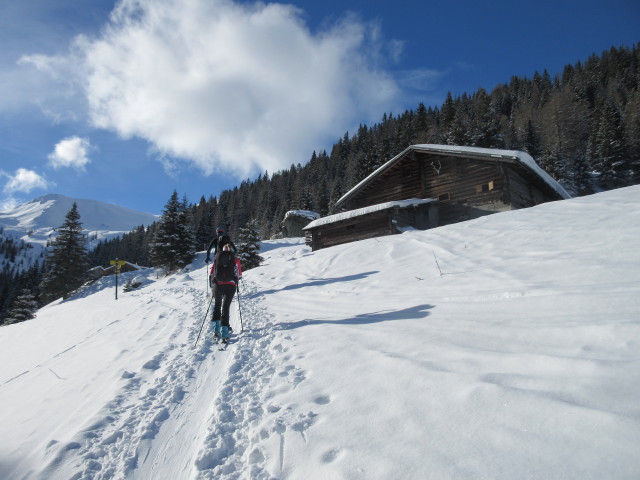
(207, 260)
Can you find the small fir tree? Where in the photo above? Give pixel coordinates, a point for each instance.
(23, 308)
(66, 264)
(249, 246)
(173, 242)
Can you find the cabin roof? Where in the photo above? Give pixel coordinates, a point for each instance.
(488, 154)
(339, 217)
(311, 215)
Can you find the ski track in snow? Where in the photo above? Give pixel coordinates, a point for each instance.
(121, 438)
(245, 417)
(151, 416)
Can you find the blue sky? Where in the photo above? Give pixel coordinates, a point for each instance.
(126, 101)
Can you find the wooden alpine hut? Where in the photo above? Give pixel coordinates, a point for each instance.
(426, 186)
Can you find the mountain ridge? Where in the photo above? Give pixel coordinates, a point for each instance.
(48, 212)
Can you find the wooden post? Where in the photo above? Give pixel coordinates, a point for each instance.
(118, 264)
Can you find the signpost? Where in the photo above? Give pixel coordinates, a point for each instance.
(118, 264)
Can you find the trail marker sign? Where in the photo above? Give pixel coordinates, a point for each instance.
(118, 264)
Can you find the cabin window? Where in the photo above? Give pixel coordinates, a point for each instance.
(485, 187)
(444, 197)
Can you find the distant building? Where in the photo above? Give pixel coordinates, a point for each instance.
(294, 222)
(427, 186)
(98, 272)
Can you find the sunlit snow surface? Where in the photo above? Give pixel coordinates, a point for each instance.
(507, 347)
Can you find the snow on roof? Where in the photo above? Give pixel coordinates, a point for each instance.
(522, 158)
(302, 213)
(338, 217)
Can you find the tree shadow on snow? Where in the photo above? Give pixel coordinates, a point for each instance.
(419, 311)
(317, 282)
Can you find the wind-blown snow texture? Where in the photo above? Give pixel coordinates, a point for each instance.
(362, 361)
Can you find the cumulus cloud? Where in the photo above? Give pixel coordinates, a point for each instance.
(24, 181)
(71, 152)
(223, 85)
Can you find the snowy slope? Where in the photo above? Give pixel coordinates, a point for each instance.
(516, 355)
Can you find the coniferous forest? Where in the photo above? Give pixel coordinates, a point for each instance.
(582, 125)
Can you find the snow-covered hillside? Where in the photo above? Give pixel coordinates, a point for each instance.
(506, 347)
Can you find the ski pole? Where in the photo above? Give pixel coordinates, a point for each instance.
(206, 278)
(203, 320)
(240, 310)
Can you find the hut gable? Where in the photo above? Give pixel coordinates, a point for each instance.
(465, 182)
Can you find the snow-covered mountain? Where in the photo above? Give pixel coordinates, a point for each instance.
(505, 347)
(34, 222)
(45, 213)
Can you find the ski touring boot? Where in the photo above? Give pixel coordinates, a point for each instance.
(216, 330)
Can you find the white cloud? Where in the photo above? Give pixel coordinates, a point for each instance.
(24, 181)
(9, 203)
(71, 152)
(240, 87)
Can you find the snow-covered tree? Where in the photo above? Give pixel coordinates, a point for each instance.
(66, 263)
(610, 157)
(249, 246)
(173, 243)
(23, 308)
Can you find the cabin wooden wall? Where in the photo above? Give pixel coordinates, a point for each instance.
(421, 217)
(358, 228)
(375, 224)
(522, 192)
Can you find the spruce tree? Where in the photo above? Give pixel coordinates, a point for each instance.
(581, 180)
(173, 242)
(249, 246)
(610, 151)
(66, 263)
(23, 308)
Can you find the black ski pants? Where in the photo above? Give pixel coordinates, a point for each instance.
(222, 294)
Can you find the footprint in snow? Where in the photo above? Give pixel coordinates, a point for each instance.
(322, 400)
(331, 455)
(154, 363)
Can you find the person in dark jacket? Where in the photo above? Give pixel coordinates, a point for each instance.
(221, 239)
(225, 275)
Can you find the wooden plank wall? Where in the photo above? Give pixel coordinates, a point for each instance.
(399, 183)
(462, 186)
(430, 176)
(522, 192)
(373, 225)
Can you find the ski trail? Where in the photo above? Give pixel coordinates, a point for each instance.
(225, 452)
(245, 419)
(150, 415)
(196, 413)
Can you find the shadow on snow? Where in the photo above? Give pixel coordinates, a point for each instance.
(316, 282)
(419, 311)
